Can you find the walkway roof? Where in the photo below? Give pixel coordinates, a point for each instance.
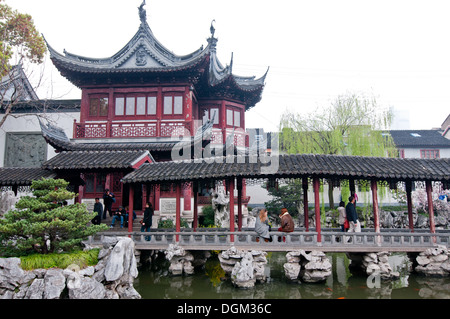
(19, 176)
(294, 166)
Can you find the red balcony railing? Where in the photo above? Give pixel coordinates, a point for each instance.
(130, 130)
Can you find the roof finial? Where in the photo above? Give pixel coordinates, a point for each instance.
(212, 28)
(142, 12)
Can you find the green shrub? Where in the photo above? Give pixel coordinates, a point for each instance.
(169, 223)
(208, 216)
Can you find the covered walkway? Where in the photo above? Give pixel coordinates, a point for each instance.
(309, 168)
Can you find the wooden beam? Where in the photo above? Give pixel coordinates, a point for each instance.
(408, 185)
(130, 208)
(316, 183)
(178, 210)
(351, 184)
(429, 189)
(231, 190)
(195, 190)
(376, 213)
(305, 202)
(239, 203)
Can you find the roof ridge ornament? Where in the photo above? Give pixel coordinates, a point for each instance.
(211, 29)
(142, 12)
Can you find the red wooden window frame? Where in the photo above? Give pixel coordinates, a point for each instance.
(429, 153)
(98, 181)
(209, 109)
(136, 97)
(234, 110)
(172, 114)
(98, 98)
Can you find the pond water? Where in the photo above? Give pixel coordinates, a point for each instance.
(155, 282)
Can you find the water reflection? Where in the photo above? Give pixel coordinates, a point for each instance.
(155, 282)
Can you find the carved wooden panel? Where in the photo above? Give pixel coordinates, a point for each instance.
(25, 150)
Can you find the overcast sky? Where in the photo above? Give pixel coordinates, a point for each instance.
(397, 51)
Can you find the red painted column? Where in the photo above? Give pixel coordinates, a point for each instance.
(130, 208)
(178, 210)
(144, 196)
(159, 107)
(408, 185)
(231, 188)
(187, 194)
(195, 190)
(305, 202)
(239, 200)
(316, 183)
(376, 214)
(157, 196)
(430, 206)
(223, 121)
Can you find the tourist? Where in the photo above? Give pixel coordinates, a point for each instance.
(119, 214)
(262, 226)
(147, 221)
(125, 222)
(108, 200)
(287, 223)
(352, 216)
(98, 208)
(342, 217)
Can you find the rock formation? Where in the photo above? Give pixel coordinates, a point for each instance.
(375, 264)
(220, 202)
(245, 268)
(111, 278)
(434, 262)
(309, 267)
(180, 260)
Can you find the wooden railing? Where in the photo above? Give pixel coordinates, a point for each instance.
(330, 240)
(130, 129)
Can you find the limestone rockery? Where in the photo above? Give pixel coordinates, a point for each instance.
(111, 278)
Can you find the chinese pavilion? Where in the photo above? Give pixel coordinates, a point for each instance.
(137, 104)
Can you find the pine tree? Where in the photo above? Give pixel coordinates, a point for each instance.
(43, 223)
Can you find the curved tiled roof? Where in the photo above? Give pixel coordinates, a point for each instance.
(294, 166)
(144, 58)
(419, 138)
(95, 160)
(11, 176)
(57, 138)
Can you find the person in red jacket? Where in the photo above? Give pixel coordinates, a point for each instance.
(287, 223)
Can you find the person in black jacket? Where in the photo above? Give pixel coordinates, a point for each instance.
(108, 200)
(352, 216)
(147, 221)
(98, 208)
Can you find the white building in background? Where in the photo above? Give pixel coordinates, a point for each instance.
(21, 141)
(421, 143)
(433, 143)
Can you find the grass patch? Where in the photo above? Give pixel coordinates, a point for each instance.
(60, 260)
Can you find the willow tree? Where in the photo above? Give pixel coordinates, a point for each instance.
(353, 124)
